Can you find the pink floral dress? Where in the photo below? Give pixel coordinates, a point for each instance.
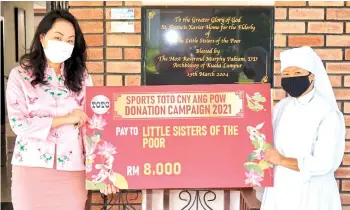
(31, 111)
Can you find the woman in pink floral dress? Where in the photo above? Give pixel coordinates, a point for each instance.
(45, 100)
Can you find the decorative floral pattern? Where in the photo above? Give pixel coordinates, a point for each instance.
(79, 101)
(104, 151)
(106, 169)
(255, 102)
(256, 164)
(60, 79)
(32, 100)
(96, 138)
(19, 157)
(62, 90)
(45, 155)
(16, 123)
(38, 113)
(26, 74)
(15, 104)
(90, 159)
(20, 148)
(56, 135)
(56, 94)
(97, 122)
(90, 156)
(64, 158)
(253, 178)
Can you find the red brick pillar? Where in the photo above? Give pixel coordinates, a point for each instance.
(114, 59)
(325, 26)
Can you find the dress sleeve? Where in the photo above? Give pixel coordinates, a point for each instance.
(328, 149)
(88, 83)
(18, 114)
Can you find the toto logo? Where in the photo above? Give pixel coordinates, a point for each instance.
(100, 104)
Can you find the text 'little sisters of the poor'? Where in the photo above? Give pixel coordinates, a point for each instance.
(155, 136)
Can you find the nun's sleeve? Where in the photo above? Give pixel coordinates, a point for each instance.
(328, 149)
(276, 111)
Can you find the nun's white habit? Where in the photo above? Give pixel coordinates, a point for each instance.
(311, 129)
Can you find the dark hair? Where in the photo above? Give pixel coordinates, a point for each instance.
(74, 67)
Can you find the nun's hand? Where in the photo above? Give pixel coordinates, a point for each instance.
(273, 156)
(110, 189)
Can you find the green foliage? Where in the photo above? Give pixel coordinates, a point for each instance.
(251, 157)
(266, 146)
(255, 162)
(256, 144)
(258, 97)
(263, 165)
(92, 186)
(251, 166)
(88, 139)
(151, 53)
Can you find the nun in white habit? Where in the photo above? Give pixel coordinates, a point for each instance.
(309, 137)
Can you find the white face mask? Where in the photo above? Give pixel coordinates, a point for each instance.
(57, 51)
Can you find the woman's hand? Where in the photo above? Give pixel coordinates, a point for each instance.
(110, 189)
(273, 156)
(77, 117)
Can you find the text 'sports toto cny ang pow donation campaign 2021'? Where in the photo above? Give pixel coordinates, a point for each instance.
(158, 137)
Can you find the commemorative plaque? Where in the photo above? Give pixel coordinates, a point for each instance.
(207, 45)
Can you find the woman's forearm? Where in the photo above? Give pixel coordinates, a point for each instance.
(59, 121)
(290, 163)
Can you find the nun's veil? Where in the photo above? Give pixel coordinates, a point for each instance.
(306, 58)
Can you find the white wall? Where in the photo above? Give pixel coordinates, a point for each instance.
(37, 20)
(7, 11)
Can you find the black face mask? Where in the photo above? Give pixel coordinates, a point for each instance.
(296, 86)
